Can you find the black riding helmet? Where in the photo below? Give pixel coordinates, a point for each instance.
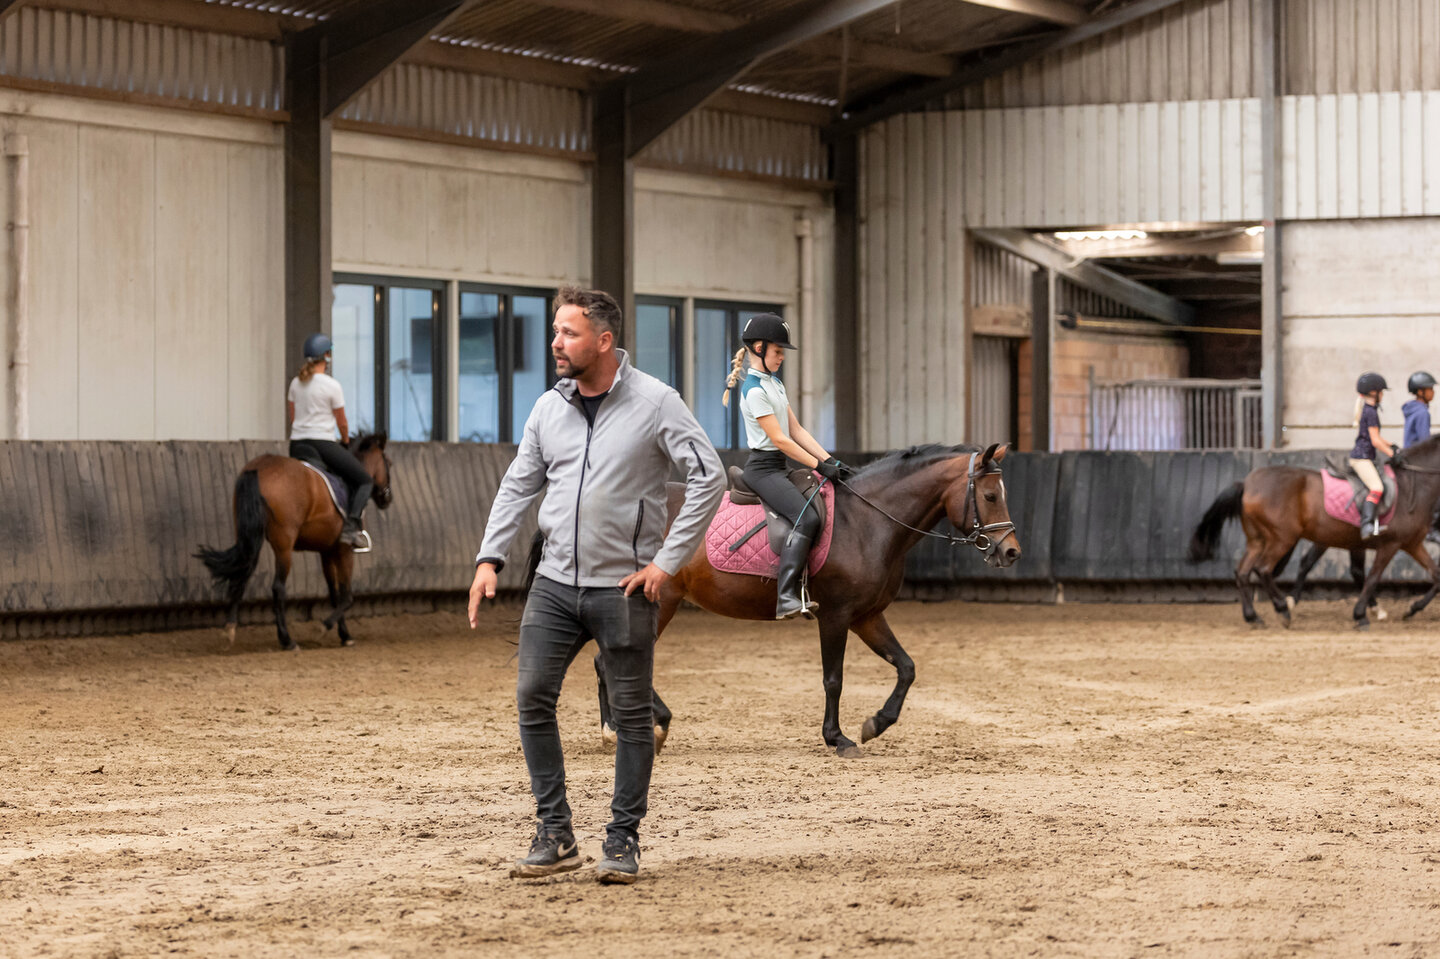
(765, 328)
(1420, 381)
(1369, 383)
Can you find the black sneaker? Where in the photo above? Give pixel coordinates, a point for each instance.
(619, 860)
(550, 853)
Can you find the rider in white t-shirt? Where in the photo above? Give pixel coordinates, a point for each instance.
(316, 408)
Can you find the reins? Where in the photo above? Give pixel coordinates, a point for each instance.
(978, 536)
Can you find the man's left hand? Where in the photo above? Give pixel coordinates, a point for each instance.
(651, 578)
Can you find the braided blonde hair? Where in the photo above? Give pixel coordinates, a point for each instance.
(737, 371)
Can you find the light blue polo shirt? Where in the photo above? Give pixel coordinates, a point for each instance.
(760, 395)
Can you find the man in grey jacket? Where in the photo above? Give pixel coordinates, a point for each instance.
(604, 439)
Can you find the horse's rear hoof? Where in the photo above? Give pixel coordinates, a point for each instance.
(870, 730)
(1285, 620)
(229, 634)
(1256, 623)
(661, 734)
(289, 647)
(607, 735)
(1381, 615)
(348, 641)
(1290, 603)
(1409, 613)
(1362, 625)
(850, 751)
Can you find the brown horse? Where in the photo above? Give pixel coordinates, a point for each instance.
(880, 513)
(1280, 505)
(281, 500)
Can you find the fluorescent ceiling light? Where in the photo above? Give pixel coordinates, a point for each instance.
(1101, 235)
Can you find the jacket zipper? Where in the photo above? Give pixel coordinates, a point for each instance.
(700, 462)
(635, 540)
(579, 490)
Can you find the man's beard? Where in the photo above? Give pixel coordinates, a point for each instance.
(575, 372)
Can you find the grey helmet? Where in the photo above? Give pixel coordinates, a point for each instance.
(317, 345)
(1369, 383)
(1420, 381)
(767, 327)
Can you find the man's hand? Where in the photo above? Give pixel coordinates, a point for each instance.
(651, 578)
(483, 588)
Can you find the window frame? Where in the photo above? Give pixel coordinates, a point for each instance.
(439, 339)
(676, 305)
(505, 344)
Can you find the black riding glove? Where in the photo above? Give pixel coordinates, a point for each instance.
(833, 469)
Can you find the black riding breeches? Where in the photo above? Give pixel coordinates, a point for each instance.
(342, 463)
(767, 473)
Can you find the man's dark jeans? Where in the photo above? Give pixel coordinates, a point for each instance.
(558, 621)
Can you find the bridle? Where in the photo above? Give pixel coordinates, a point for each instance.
(981, 537)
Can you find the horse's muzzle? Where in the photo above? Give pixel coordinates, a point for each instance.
(1001, 549)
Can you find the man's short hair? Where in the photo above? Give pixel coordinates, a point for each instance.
(600, 307)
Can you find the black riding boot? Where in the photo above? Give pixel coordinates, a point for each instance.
(793, 600)
(1369, 520)
(351, 535)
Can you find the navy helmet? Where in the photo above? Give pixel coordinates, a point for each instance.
(317, 345)
(1420, 381)
(1370, 382)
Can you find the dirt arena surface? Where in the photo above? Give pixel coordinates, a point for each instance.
(1065, 781)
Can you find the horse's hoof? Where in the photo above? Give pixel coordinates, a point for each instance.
(1381, 615)
(661, 734)
(1285, 620)
(289, 647)
(1409, 613)
(229, 634)
(1362, 625)
(850, 751)
(607, 735)
(870, 730)
(1257, 623)
(1290, 603)
(348, 641)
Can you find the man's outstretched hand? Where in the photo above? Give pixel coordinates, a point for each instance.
(651, 578)
(481, 589)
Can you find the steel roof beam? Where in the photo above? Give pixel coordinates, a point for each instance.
(1055, 11)
(1120, 288)
(914, 96)
(658, 96)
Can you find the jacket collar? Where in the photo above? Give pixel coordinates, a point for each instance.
(567, 387)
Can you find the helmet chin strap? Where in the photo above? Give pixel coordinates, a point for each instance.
(760, 348)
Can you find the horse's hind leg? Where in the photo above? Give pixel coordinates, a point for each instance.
(1357, 576)
(277, 596)
(1265, 570)
(1253, 548)
(876, 633)
(608, 735)
(1308, 562)
(833, 635)
(1383, 555)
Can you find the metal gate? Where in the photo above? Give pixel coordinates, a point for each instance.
(992, 389)
(1176, 415)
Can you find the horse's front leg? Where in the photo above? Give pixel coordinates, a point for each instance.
(1308, 562)
(339, 566)
(1357, 576)
(833, 636)
(1422, 556)
(877, 635)
(1383, 555)
(277, 596)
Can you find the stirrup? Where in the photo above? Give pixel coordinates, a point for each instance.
(364, 534)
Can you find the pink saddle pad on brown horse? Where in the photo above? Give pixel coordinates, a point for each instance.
(1340, 501)
(755, 557)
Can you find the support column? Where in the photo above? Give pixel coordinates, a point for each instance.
(308, 287)
(612, 204)
(1268, 33)
(1042, 290)
(845, 168)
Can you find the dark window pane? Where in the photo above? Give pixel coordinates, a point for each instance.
(654, 341)
(411, 322)
(352, 327)
(531, 357)
(479, 400)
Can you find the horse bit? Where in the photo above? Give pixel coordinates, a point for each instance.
(981, 537)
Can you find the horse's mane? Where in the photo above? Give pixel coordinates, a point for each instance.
(1422, 453)
(364, 441)
(898, 463)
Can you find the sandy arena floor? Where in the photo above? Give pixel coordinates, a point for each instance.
(1065, 781)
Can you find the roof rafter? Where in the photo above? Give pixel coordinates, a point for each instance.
(1055, 11)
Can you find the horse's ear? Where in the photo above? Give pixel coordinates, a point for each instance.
(380, 439)
(989, 454)
(1000, 453)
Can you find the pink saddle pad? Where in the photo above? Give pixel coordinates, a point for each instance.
(1340, 499)
(755, 557)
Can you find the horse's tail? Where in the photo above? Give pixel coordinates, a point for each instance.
(1227, 506)
(537, 549)
(233, 567)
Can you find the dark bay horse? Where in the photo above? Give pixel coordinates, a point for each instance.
(281, 500)
(880, 513)
(1280, 505)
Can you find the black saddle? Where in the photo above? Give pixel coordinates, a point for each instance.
(1339, 467)
(777, 527)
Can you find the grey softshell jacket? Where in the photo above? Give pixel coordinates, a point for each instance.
(603, 516)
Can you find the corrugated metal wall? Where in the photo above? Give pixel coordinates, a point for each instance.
(992, 389)
(1071, 297)
(999, 277)
(1361, 46)
(736, 143)
(489, 109)
(117, 55)
(912, 253)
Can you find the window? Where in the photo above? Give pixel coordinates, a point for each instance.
(657, 348)
(504, 361)
(388, 350)
(717, 337)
